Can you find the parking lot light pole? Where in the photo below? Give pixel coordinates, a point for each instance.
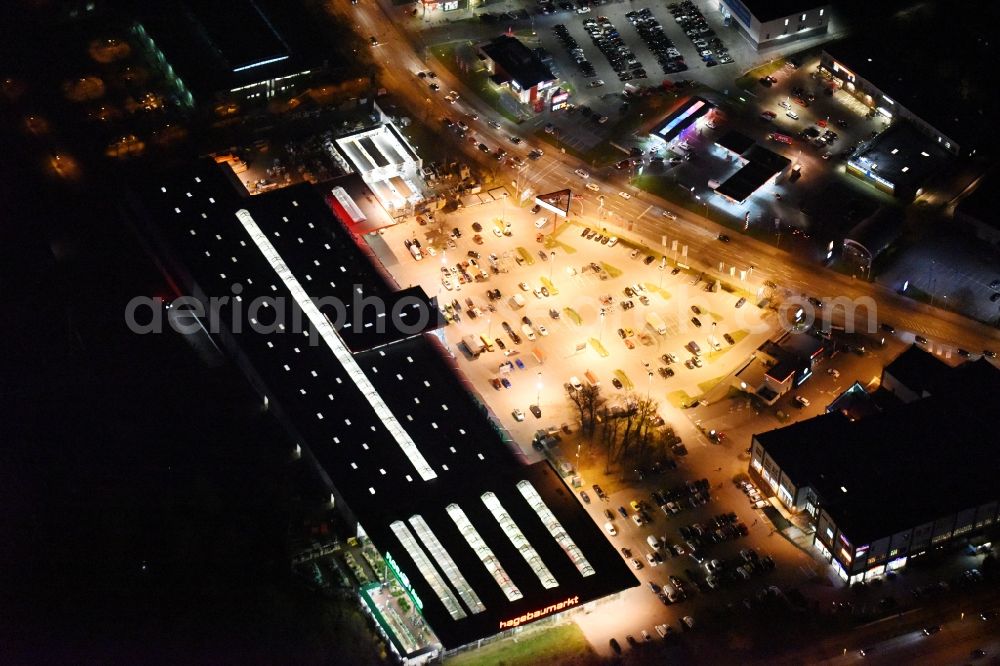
(538, 394)
(649, 387)
(552, 263)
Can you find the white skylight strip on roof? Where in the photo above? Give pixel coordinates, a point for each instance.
(337, 346)
(348, 204)
(555, 528)
(427, 570)
(520, 541)
(259, 63)
(483, 552)
(448, 566)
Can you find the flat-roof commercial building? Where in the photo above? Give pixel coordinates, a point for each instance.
(872, 236)
(768, 23)
(899, 160)
(758, 166)
(684, 116)
(247, 50)
(514, 66)
(353, 368)
(387, 163)
(924, 65)
(779, 365)
(885, 485)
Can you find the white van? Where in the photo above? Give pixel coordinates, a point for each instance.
(541, 222)
(574, 381)
(653, 542)
(517, 301)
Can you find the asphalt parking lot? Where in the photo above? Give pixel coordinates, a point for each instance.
(567, 350)
(616, 16)
(820, 167)
(595, 344)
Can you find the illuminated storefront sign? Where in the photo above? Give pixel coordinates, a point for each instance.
(840, 69)
(559, 100)
(531, 616)
(403, 580)
(449, 6)
(860, 169)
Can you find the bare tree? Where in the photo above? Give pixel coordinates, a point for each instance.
(647, 413)
(629, 423)
(588, 403)
(609, 436)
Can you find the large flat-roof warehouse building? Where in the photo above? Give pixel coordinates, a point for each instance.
(481, 542)
(933, 436)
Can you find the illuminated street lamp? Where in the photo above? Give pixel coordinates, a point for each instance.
(538, 386)
(552, 263)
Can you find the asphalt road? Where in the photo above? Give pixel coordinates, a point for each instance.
(399, 62)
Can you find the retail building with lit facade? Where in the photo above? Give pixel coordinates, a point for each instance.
(517, 68)
(450, 518)
(768, 23)
(886, 480)
(933, 85)
(779, 365)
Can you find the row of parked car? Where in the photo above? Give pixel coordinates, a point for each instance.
(757, 501)
(724, 527)
(711, 49)
(682, 496)
(575, 52)
(546, 7)
(651, 32)
(733, 570)
(621, 58)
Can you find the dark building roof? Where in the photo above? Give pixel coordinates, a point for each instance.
(681, 118)
(239, 32)
(936, 455)
(414, 456)
(762, 165)
(877, 232)
(983, 204)
(793, 352)
(218, 45)
(935, 81)
(855, 403)
(736, 142)
(920, 371)
(517, 61)
(768, 10)
(901, 155)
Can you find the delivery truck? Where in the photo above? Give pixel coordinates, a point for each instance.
(474, 345)
(656, 322)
